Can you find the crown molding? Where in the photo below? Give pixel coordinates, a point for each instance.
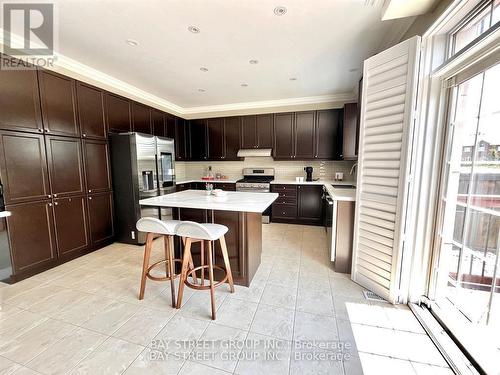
(87, 74)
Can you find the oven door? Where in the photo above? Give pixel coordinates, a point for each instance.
(266, 215)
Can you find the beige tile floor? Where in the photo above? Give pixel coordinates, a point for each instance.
(84, 318)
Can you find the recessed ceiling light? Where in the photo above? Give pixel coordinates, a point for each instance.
(279, 11)
(253, 62)
(244, 85)
(292, 78)
(203, 69)
(194, 29)
(132, 42)
(202, 90)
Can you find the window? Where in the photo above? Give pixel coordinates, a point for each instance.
(486, 15)
(469, 263)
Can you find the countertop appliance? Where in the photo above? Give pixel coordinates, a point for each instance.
(143, 166)
(309, 173)
(257, 180)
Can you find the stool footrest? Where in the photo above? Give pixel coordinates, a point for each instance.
(161, 278)
(206, 287)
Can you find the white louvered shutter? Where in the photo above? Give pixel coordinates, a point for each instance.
(385, 143)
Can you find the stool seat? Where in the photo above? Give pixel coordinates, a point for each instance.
(206, 231)
(154, 225)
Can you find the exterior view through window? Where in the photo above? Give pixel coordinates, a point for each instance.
(469, 266)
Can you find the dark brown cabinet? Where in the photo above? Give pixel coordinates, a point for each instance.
(23, 167)
(118, 114)
(284, 137)
(141, 118)
(170, 125)
(64, 156)
(310, 203)
(328, 134)
(350, 132)
(265, 131)
(231, 220)
(90, 102)
(97, 172)
(158, 123)
(58, 98)
(304, 132)
(70, 219)
(19, 99)
(100, 209)
(216, 147)
(232, 138)
(249, 132)
(31, 236)
(198, 132)
(182, 144)
(257, 131)
(301, 204)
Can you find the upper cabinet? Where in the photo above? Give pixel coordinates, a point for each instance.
(350, 132)
(249, 132)
(216, 146)
(19, 100)
(158, 123)
(141, 118)
(170, 124)
(232, 137)
(284, 137)
(264, 131)
(58, 94)
(90, 102)
(305, 135)
(182, 144)
(199, 146)
(257, 131)
(118, 114)
(97, 170)
(328, 134)
(23, 167)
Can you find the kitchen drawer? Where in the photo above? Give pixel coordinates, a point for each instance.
(287, 194)
(290, 189)
(283, 211)
(286, 200)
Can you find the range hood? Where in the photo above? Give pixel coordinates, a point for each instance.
(254, 152)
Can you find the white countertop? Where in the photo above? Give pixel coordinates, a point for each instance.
(187, 181)
(5, 213)
(233, 201)
(338, 194)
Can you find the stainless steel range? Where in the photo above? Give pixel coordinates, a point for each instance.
(257, 180)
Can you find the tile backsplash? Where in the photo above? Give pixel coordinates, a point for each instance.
(324, 170)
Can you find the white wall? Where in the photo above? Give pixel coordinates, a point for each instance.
(324, 170)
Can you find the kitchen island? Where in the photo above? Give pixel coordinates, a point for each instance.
(241, 212)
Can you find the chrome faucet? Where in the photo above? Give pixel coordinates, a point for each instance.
(353, 166)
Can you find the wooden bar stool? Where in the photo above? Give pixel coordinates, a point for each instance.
(166, 228)
(195, 232)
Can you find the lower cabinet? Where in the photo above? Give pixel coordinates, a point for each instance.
(299, 204)
(100, 208)
(70, 219)
(31, 237)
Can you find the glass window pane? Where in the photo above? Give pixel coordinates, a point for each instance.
(496, 12)
(472, 29)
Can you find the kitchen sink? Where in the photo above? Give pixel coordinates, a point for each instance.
(337, 186)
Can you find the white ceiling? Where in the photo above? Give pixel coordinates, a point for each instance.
(316, 41)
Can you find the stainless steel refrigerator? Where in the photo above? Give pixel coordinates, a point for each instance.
(142, 166)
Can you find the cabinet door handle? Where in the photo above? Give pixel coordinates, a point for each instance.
(55, 195)
(90, 198)
(56, 203)
(40, 130)
(49, 196)
(50, 204)
(47, 130)
(84, 135)
(90, 191)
